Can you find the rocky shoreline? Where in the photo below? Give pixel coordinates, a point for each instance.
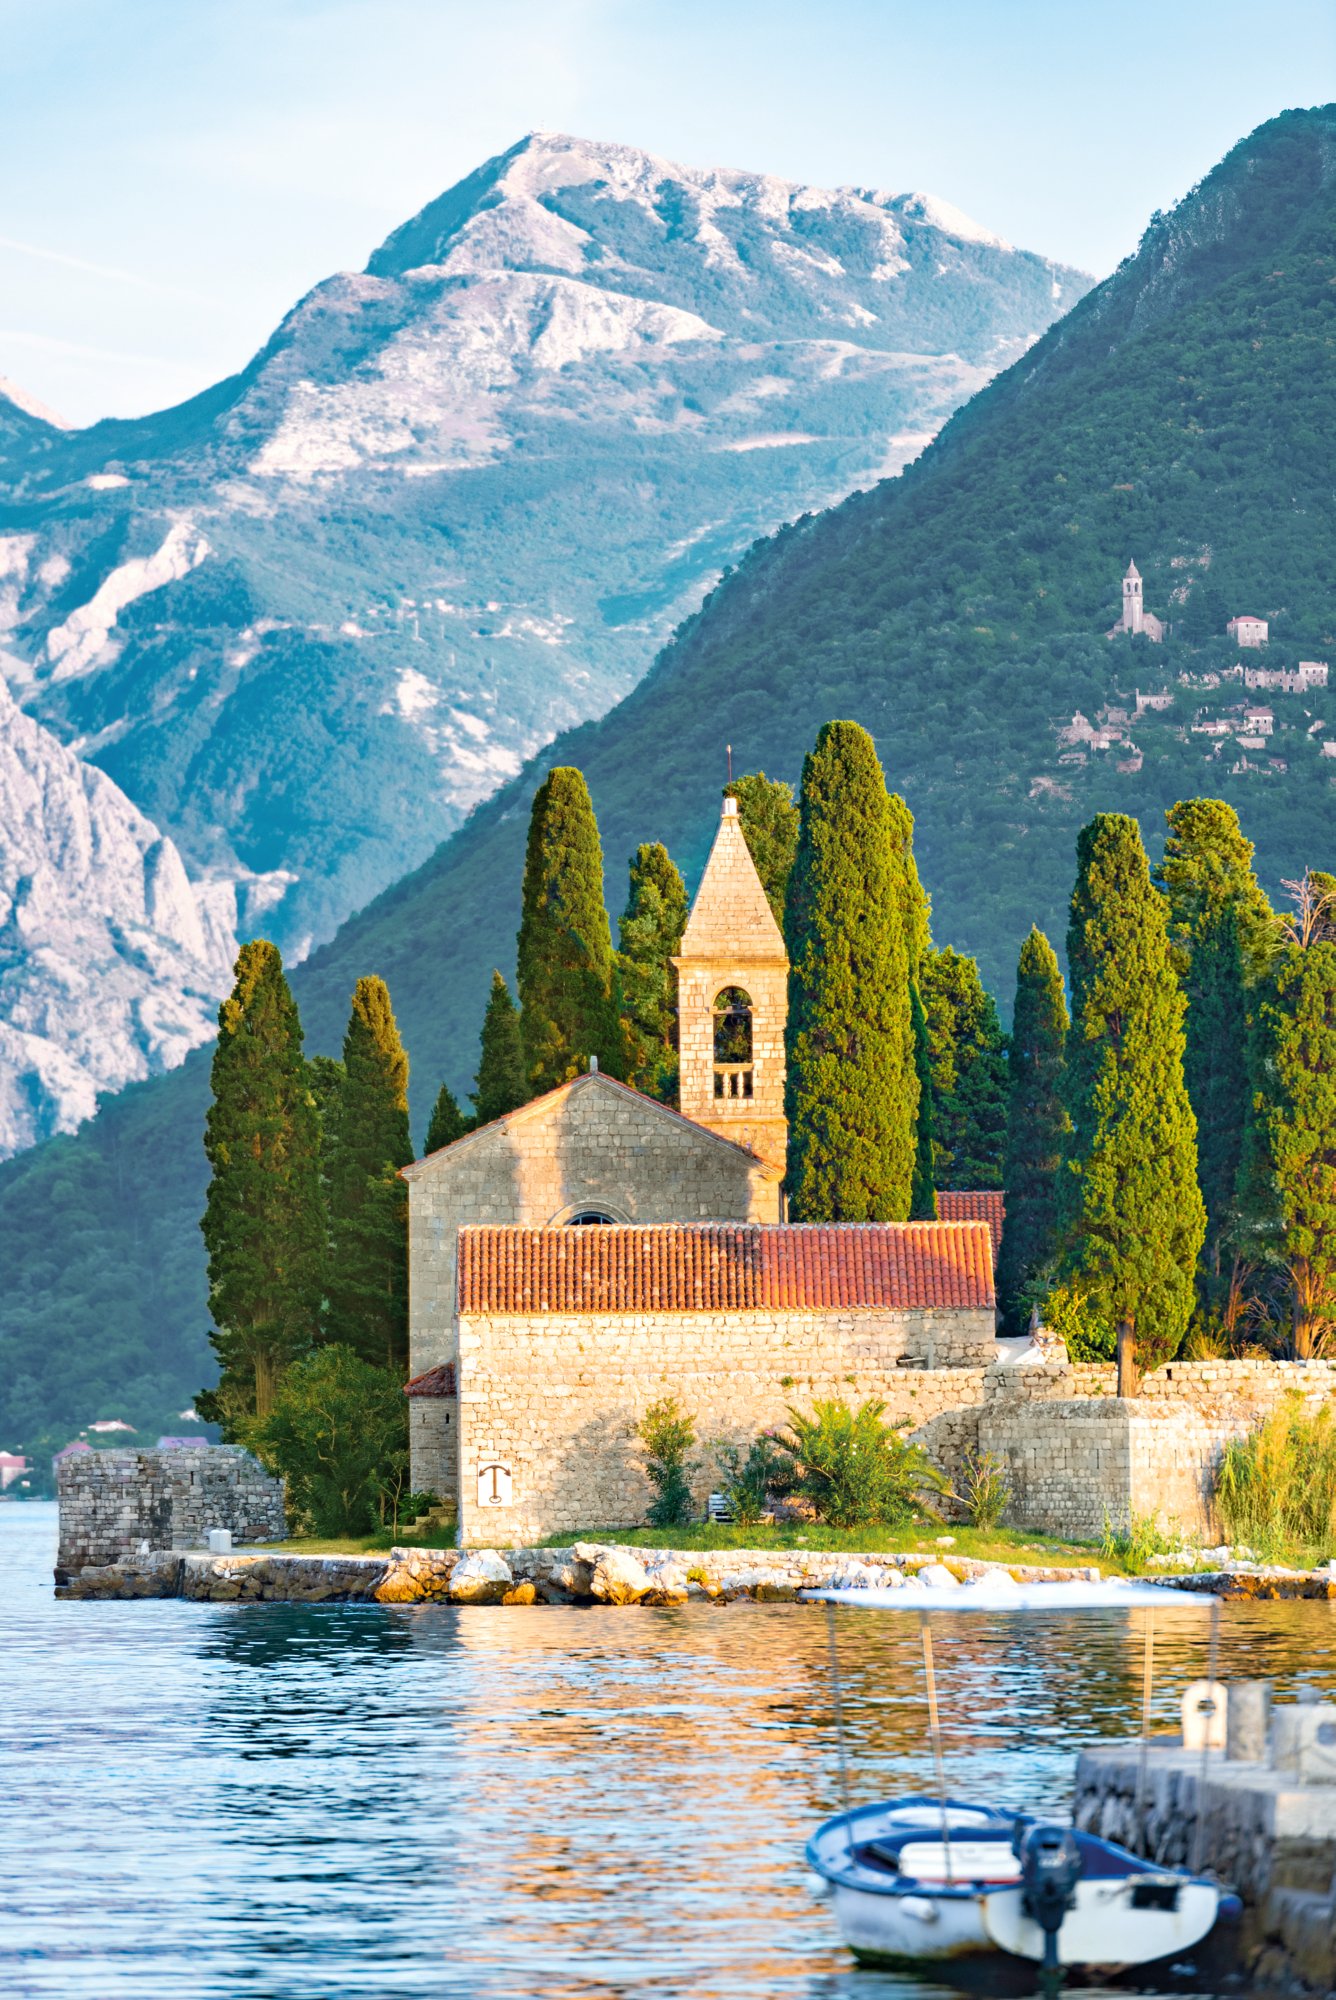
(598, 1573)
(586, 1573)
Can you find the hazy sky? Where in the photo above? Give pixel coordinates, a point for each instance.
(177, 173)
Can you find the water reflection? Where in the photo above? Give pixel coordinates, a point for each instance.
(298, 1801)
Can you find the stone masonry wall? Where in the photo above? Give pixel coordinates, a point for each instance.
(553, 1399)
(114, 1502)
(433, 1426)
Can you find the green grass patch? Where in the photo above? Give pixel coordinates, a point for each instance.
(361, 1545)
(1006, 1545)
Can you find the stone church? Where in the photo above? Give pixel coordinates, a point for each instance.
(573, 1261)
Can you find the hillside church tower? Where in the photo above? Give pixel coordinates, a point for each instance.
(732, 1001)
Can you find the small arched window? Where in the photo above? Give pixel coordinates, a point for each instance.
(732, 1043)
(584, 1217)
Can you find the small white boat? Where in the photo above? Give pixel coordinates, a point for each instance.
(914, 1881)
(931, 1881)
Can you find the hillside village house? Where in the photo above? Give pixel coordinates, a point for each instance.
(1245, 631)
(573, 1261)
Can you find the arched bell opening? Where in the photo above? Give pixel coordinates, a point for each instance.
(732, 1044)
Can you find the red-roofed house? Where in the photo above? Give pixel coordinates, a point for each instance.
(12, 1467)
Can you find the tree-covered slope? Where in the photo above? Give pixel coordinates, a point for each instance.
(1181, 415)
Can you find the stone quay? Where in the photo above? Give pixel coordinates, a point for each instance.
(1255, 1805)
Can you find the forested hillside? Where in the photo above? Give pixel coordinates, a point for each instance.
(1180, 415)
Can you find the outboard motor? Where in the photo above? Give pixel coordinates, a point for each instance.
(1050, 1870)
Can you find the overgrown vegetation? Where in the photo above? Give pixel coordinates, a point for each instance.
(1275, 1489)
(337, 1436)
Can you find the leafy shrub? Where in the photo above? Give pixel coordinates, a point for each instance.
(337, 1436)
(854, 1468)
(1134, 1544)
(747, 1483)
(985, 1489)
(666, 1434)
(1275, 1489)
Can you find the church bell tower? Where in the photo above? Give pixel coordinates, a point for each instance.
(732, 1001)
(1133, 603)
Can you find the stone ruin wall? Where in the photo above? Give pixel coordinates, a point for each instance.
(112, 1503)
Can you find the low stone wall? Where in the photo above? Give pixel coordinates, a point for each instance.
(552, 1402)
(115, 1504)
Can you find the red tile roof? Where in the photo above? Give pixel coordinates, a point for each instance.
(981, 1205)
(724, 1267)
(438, 1381)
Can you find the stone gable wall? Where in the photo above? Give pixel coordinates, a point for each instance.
(554, 1398)
(113, 1502)
(595, 1148)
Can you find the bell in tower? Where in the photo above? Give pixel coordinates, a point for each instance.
(732, 1000)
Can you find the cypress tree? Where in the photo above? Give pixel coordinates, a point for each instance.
(564, 946)
(851, 1094)
(911, 898)
(1036, 1125)
(1296, 1108)
(770, 828)
(923, 1195)
(1223, 932)
(501, 1084)
(649, 933)
(968, 1055)
(367, 1290)
(264, 1222)
(448, 1122)
(1130, 1210)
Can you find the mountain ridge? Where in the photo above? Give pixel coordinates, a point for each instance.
(451, 507)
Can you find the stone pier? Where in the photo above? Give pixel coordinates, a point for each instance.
(1266, 1827)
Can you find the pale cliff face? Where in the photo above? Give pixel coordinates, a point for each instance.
(111, 964)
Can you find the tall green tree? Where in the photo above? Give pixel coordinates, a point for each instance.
(502, 1083)
(851, 1093)
(1296, 1107)
(968, 1058)
(367, 1285)
(1223, 934)
(1131, 1213)
(770, 828)
(264, 1220)
(1036, 1126)
(447, 1123)
(565, 945)
(923, 1193)
(648, 935)
(914, 911)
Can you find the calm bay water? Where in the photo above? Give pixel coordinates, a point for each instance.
(275, 1801)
